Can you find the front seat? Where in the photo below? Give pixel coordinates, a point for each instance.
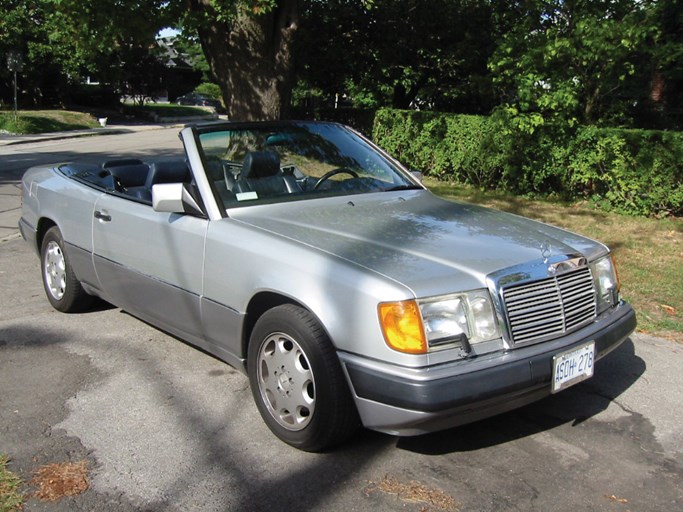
(261, 174)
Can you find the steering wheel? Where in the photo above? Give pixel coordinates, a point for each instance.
(333, 172)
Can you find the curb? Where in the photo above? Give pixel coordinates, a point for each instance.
(26, 139)
(186, 120)
(163, 123)
(11, 140)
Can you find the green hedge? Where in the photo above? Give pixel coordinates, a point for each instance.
(630, 171)
(362, 119)
(464, 148)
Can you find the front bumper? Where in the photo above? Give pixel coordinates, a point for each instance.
(28, 232)
(404, 401)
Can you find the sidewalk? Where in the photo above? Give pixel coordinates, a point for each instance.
(7, 140)
(113, 129)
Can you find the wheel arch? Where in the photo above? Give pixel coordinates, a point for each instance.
(44, 224)
(265, 301)
(330, 415)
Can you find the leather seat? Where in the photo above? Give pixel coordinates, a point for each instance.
(168, 171)
(127, 174)
(163, 171)
(261, 174)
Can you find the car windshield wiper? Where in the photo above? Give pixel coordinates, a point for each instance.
(404, 187)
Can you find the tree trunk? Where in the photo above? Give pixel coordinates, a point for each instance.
(403, 98)
(591, 105)
(251, 58)
(399, 97)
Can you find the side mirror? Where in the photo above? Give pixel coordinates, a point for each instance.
(417, 175)
(175, 198)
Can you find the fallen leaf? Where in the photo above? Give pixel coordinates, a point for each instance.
(415, 492)
(623, 501)
(54, 481)
(669, 309)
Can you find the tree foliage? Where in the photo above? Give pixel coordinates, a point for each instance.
(64, 41)
(577, 61)
(117, 41)
(30, 29)
(428, 53)
(246, 43)
(604, 62)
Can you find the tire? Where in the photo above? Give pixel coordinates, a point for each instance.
(62, 287)
(297, 381)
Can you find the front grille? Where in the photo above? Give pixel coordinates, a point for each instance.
(549, 307)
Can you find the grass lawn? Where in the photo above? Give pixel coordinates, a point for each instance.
(44, 121)
(649, 252)
(10, 497)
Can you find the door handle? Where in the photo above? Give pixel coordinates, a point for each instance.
(102, 216)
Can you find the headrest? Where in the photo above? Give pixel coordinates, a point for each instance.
(134, 175)
(121, 162)
(260, 164)
(169, 171)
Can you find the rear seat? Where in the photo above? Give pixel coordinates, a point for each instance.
(127, 173)
(135, 178)
(168, 171)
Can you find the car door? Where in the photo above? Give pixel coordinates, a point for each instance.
(150, 263)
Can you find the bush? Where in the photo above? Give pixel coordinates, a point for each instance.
(464, 148)
(211, 90)
(632, 171)
(359, 118)
(629, 171)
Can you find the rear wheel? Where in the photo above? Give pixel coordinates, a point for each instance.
(62, 287)
(297, 381)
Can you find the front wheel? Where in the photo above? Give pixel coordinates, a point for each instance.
(62, 287)
(297, 381)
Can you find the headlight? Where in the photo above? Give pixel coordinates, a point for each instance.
(417, 327)
(606, 282)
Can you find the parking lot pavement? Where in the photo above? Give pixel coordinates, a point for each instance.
(163, 426)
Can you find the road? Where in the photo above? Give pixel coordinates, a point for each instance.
(165, 427)
(140, 141)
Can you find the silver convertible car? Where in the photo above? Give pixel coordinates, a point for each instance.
(311, 260)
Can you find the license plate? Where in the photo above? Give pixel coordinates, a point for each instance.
(573, 366)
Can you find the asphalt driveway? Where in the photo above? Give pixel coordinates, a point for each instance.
(165, 427)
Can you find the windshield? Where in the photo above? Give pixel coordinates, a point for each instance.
(291, 162)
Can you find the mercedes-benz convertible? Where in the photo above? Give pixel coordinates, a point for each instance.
(312, 261)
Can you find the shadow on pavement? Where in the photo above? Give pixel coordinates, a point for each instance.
(614, 374)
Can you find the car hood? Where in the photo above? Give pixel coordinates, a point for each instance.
(413, 237)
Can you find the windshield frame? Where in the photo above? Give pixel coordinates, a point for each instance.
(395, 176)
